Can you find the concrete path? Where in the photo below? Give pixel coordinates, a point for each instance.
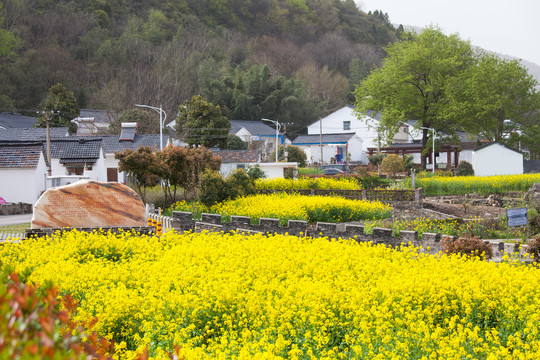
(15, 219)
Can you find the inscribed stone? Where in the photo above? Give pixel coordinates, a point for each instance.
(89, 203)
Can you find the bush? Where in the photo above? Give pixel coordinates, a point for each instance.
(392, 164)
(533, 248)
(213, 188)
(255, 173)
(464, 168)
(469, 246)
(239, 184)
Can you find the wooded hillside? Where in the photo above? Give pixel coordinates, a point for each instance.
(113, 54)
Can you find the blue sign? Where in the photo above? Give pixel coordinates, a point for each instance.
(517, 216)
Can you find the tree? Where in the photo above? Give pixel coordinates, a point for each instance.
(173, 163)
(412, 83)
(294, 154)
(499, 95)
(235, 143)
(63, 105)
(147, 123)
(199, 160)
(201, 123)
(141, 164)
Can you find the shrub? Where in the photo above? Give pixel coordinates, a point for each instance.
(468, 245)
(533, 248)
(392, 164)
(255, 173)
(213, 188)
(464, 168)
(239, 184)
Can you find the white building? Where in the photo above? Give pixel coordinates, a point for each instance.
(336, 148)
(345, 121)
(22, 172)
(128, 139)
(496, 159)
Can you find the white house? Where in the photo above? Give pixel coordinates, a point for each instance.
(78, 157)
(92, 122)
(128, 139)
(236, 159)
(497, 159)
(345, 121)
(22, 171)
(334, 147)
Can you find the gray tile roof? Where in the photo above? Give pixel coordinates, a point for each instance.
(238, 156)
(14, 120)
(33, 134)
(98, 115)
(113, 143)
(326, 139)
(255, 127)
(19, 155)
(75, 149)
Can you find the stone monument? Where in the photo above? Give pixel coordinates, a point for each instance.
(89, 203)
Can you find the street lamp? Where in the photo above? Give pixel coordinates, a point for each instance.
(278, 127)
(161, 121)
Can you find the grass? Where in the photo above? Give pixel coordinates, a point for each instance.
(15, 228)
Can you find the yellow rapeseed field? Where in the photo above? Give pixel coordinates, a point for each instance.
(235, 296)
(308, 183)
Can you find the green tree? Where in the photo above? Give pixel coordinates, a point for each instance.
(412, 83)
(62, 104)
(256, 93)
(498, 95)
(199, 160)
(62, 108)
(235, 143)
(173, 169)
(201, 123)
(142, 164)
(294, 154)
(9, 42)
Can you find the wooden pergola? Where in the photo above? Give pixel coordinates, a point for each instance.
(417, 149)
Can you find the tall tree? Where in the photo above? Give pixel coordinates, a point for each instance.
(412, 83)
(201, 123)
(63, 104)
(499, 95)
(142, 164)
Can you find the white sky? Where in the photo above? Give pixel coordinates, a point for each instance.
(509, 27)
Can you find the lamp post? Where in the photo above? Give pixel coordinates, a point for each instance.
(278, 126)
(161, 121)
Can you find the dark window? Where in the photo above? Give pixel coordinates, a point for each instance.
(346, 125)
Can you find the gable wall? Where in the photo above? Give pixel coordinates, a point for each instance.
(497, 160)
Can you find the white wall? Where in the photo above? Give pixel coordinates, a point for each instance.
(20, 185)
(275, 170)
(333, 124)
(496, 159)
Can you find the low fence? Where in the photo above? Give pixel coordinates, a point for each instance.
(182, 221)
(145, 230)
(403, 197)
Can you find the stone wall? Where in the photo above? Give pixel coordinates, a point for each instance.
(401, 197)
(183, 221)
(15, 208)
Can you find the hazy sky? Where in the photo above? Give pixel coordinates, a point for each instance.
(510, 27)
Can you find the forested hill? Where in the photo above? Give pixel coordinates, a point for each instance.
(113, 54)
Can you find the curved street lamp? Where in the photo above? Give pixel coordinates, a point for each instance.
(278, 127)
(161, 121)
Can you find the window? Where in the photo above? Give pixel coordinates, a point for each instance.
(241, 166)
(75, 170)
(346, 125)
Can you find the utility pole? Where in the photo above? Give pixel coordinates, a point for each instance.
(47, 114)
(285, 153)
